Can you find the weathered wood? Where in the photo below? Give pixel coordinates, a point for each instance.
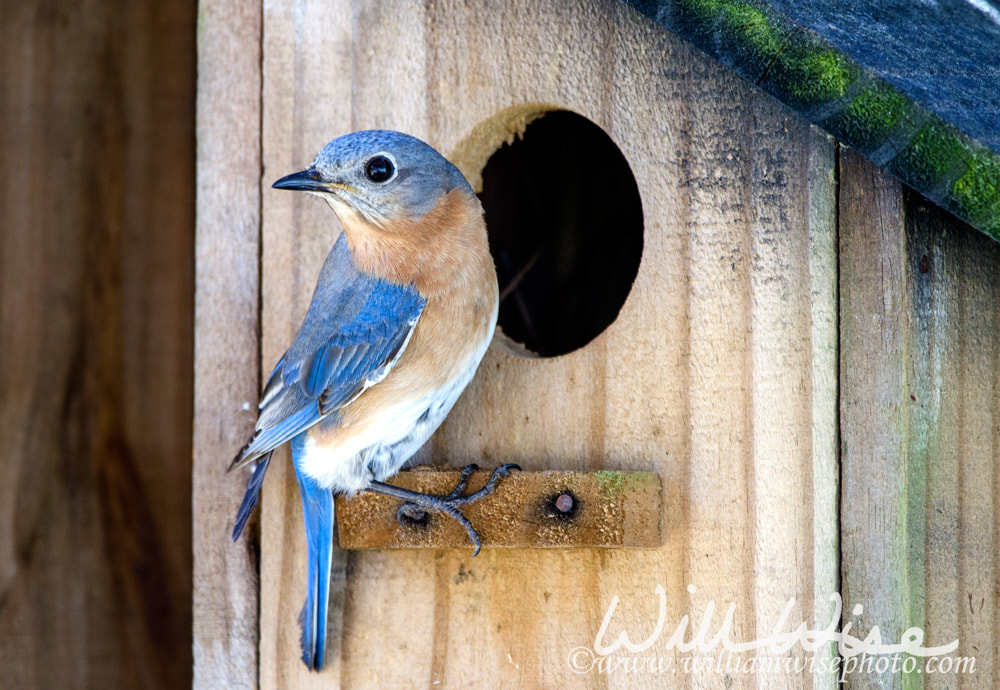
(824, 343)
(715, 375)
(953, 537)
(919, 375)
(954, 444)
(96, 239)
(866, 77)
(296, 239)
(600, 509)
(227, 328)
(874, 307)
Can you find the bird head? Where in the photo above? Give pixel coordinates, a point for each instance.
(381, 175)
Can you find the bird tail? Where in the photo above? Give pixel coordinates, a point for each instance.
(251, 496)
(317, 508)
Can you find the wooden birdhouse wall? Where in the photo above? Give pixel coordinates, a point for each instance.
(96, 337)
(807, 358)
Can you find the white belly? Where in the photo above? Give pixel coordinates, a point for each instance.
(384, 446)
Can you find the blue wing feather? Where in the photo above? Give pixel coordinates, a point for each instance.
(251, 496)
(356, 324)
(320, 372)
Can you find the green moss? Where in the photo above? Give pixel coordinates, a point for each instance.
(751, 28)
(698, 19)
(870, 119)
(703, 10)
(796, 66)
(760, 45)
(741, 16)
(932, 151)
(745, 32)
(815, 76)
(933, 156)
(612, 484)
(976, 194)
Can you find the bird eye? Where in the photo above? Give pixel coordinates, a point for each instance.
(379, 169)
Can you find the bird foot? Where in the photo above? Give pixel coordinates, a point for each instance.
(417, 505)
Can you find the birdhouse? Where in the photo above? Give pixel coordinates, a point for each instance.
(772, 359)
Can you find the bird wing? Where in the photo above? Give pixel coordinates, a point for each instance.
(356, 328)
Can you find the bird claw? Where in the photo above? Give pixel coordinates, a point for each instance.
(415, 509)
(463, 480)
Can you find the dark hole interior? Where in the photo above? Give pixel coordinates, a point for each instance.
(565, 225)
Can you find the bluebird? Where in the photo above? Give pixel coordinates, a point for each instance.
(404, 309)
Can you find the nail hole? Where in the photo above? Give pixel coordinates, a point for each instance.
(413, 518)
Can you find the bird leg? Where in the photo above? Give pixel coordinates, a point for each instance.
(417, 504)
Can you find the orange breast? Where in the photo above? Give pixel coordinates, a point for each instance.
(446, 256)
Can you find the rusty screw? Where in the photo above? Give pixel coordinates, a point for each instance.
(562, 506)
(564, 503)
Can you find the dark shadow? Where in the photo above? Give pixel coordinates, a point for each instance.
(565, 225)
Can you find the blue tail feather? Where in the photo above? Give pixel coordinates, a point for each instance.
(317, 508)
(251, 496)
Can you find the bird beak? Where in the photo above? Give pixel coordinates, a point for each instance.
(308, 181)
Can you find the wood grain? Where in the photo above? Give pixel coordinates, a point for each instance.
(715, 375)
(226, 338)
(953, 531)
(96, 286)
(296, 239)
(875, 306)
(721, 375)
(918, 369)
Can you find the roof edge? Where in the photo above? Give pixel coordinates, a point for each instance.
(833, 91)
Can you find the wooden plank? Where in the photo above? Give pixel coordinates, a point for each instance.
(96, 264)
(304, 44)
(714, 376)
(864, 76)
(874, 308)
(824, 342)
(919, 352)
(226, 330)
(598, 509)
(953, 536)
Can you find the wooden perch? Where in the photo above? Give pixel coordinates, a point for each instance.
(527, 510)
